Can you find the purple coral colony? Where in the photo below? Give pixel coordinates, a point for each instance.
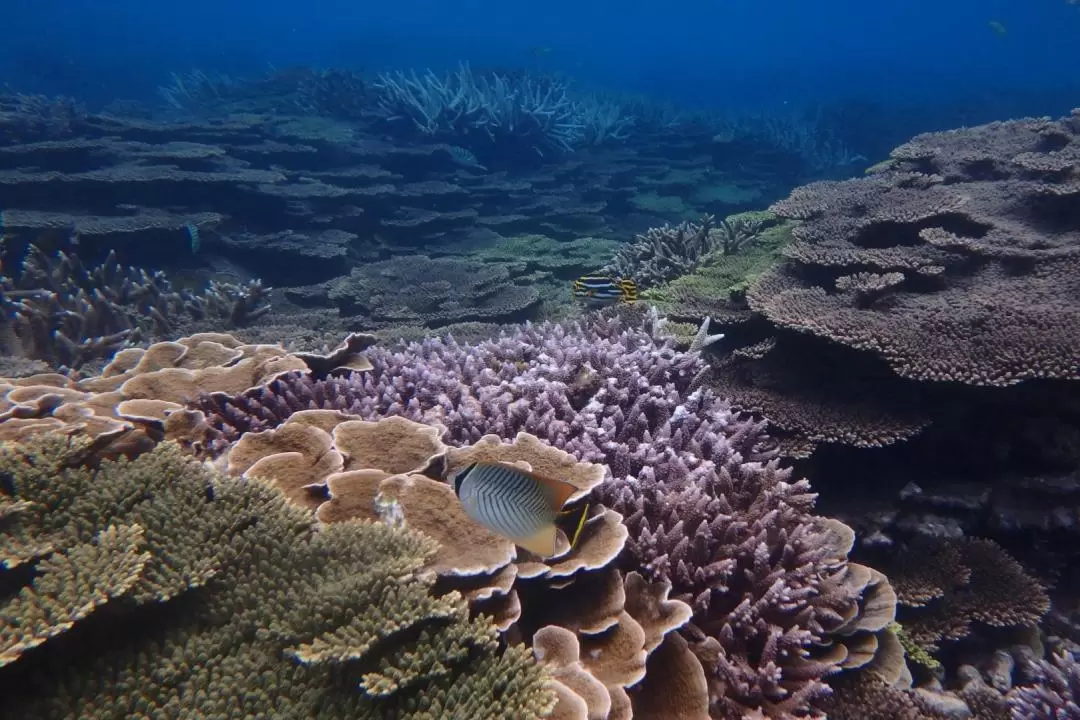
(815, 424)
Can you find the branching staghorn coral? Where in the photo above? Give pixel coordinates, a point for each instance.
(738, 231)
(162, 588)
(29, 118)
(768, 579)
(60, 311)
(531, 111)
(1054, 694)
(662, 254)
(197, 89)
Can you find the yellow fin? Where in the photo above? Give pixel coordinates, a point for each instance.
(540, 543)
(580, 525)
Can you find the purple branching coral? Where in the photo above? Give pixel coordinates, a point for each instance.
(1054, 694)
(701, 491)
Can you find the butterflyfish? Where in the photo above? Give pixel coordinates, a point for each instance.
(517, 504)
(600, 290)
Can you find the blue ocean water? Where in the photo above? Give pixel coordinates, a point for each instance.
(1014, 55)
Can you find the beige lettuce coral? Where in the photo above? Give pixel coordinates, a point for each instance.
(593, 628)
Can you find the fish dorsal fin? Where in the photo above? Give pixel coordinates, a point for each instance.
(541, 543)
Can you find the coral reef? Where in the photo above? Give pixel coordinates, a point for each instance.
(1055, 693)
(664, 253)
(159, 583)
(947, 586)
(607, 392)
(60, 311)
(719, 281)
(521, 110)
(394, 469)
(965, 240)
(416, 290)
(31, 118)
(244, 177)
(140, 396)
(220, 521)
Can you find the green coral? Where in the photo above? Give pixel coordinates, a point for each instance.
(725, 194)
(915, 652)
(720, 278)
(156, 587)
(661, 204)
(544, 254)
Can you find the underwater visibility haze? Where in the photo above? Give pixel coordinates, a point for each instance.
(712, 360)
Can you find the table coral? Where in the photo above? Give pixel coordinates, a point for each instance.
(420, 290)
(946, 587)
(949, 269)
(969, 240)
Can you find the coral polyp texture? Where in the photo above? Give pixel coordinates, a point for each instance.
(662, 254)
(60, 311)
(1054, 693)
(156, 586)
(968, 239)
(948, 277)
(708, 509)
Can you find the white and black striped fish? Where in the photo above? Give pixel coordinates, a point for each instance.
(517, 504)
(602, 290)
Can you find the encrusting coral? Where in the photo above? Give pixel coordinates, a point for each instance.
(146, 586)
(140, 396)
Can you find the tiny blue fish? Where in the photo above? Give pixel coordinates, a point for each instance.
(517, 504)
(193, 236)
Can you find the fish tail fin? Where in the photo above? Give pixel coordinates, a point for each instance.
(584, 515)
(541, 543)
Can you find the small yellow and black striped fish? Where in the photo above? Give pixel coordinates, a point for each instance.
(516, 504)
(600, 290)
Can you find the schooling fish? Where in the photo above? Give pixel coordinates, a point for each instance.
(600, 290)
(517, 504)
